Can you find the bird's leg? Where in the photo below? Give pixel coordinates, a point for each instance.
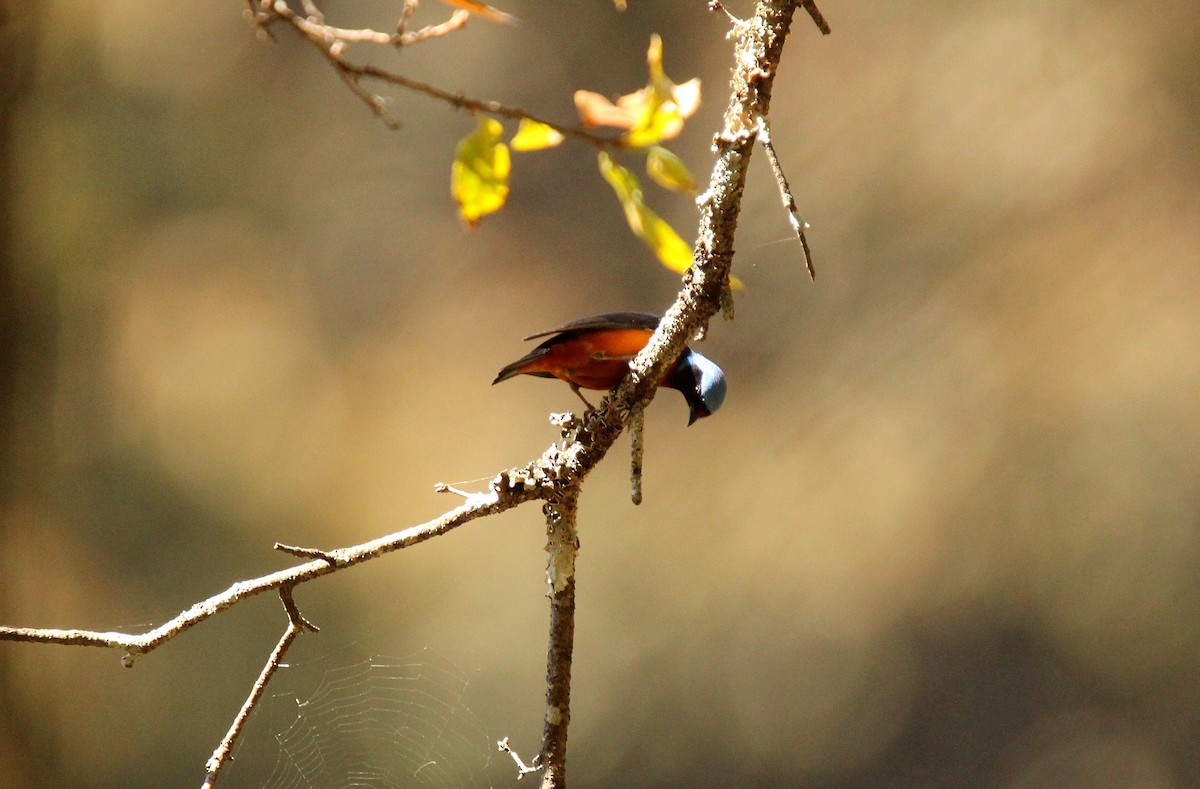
(590, 407)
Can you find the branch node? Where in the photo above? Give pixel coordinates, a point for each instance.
(715, 5)
(523, 769)
(306, 553)
(294, 616)
(443, 487)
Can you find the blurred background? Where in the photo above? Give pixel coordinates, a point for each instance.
(945, 531)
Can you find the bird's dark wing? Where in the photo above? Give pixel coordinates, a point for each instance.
(609, 320)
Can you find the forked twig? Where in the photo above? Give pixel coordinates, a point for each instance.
(296, 625)
(523, 769)
(332, 42)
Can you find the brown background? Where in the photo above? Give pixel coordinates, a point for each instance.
(945, 531)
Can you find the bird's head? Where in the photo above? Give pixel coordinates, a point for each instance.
(702, 383)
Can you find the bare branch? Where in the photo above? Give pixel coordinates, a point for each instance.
(507, 490)
(296, 625)
(785, 192)
(332, 41)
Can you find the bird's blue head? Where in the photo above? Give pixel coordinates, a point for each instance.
(702, 383)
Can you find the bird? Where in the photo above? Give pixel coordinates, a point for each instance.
(594, 353)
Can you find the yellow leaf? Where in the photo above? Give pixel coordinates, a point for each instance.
(671, 250)
(658, 78)
(668, 171)
(534, 136)
(658, 121)
(479, 176)
(623, 182)
(652, 114)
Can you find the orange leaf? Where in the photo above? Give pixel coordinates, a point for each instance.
(483, 10)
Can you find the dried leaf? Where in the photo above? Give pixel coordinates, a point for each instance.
(595, 110)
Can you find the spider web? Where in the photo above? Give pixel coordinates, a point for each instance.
(366, 720)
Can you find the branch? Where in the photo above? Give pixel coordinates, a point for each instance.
(785, 192)
(506, 490)
(332, 43)
(760, 41)
(562, 545)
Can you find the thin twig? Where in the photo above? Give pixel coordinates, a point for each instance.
(785, 192)
(457, 20)
(817, 17)
(637, 424)
(296, 625)
(406, 12)
(716, 5)
(305, 553)
(376, 103)
(459, 101)
(523, 769)
(314, 26)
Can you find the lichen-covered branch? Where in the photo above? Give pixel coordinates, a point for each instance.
(562, 543)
